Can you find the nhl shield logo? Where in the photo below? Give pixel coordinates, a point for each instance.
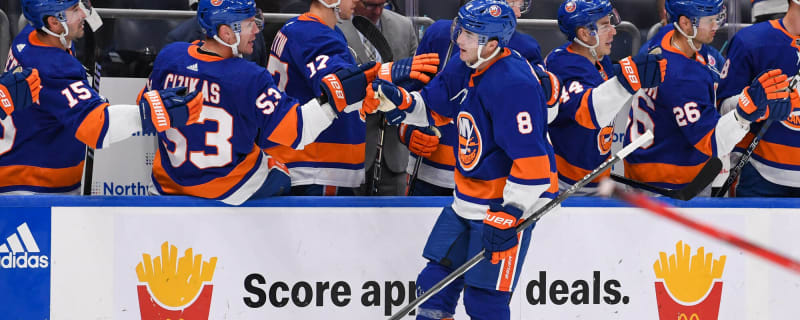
(469, 141)
(495, 11)
(570, 7)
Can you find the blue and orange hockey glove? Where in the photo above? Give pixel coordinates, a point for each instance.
(19, 89)
(347, 86)
(392, 100)
(767, 96)
(550, 84)
(421, 141)
(500, 231)
(411, 73)
(169, 108)
(641, 71)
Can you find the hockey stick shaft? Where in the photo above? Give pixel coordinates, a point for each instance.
(535, 216)
(94, 69)
(663, 210)
(734, 173)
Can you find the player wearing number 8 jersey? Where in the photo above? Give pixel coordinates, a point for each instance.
(42, 147)
(505, 164)
(681, 112)
(221, 157)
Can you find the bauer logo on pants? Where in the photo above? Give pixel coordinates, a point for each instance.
(173, 287)
(689, 287)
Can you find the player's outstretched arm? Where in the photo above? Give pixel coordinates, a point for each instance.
(400, 106)
(19, 89)
(411, 73)
(552, 90)
(347, 86)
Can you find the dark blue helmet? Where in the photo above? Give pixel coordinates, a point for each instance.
(213, 13)
(36, 10)
(488, 19)
(693, 9)
(574, 14)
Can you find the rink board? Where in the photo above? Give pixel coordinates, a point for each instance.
(357, 258)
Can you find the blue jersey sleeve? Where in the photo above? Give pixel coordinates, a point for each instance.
(69, 97)
(444, 93)
(737, 71)
(278, 115)
(320, 55)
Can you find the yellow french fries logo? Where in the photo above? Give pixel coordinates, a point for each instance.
(180, 286)
(690, 285)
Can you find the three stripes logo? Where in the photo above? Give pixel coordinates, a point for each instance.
(21, 251)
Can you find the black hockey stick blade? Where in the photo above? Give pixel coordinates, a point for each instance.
(706, 175)
(374, 36)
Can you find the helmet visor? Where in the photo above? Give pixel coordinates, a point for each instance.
(608, 22)
(718, 20)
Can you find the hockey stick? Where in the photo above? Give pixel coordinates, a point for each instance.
(642, 201)
(535, 216)
(413, 179)
(93, 68)
(734, 173)
(706, 175)
(377, 40)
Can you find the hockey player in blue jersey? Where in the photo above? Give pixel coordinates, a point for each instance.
(774, 168)
(681, 112)
(505, 163)
(305, 50)
(221, 157)
(594, 90)
(19, 89)
(435, 175)
(43, 146)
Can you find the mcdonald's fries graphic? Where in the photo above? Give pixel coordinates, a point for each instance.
(173, 288)
(689, 286)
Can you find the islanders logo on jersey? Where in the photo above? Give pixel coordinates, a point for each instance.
(216, 2)
(469, 141)
(495, 11)
(570, 6)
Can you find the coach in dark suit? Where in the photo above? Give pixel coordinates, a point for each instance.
(399, 32)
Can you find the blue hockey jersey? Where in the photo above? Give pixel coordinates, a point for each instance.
(755, 49)
(438, 168)
(42, 148)
(503, 153)
(303, 52)
(221, 157)
(683, 117)
(714, 60)
(580, 142)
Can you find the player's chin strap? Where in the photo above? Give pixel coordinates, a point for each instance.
(482, 60)
(237, 28)
(61, 37)
(690, 39)
(334, 6)
(591, 48)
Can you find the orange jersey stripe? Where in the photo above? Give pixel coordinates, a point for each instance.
(576, 173)
(584, 116)
(40, 177)
(482, 189)
(209, 190)
(778, 152)
(661, 172)
(202, 57)
(438, 119)
(286, 131)
(320, 152)
(704, 145)
(91, 126)
(506, 52)
(530, 168)
(443, 155)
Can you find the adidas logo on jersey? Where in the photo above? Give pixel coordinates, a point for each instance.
(18, 257)
(192, 67)
(20, 47)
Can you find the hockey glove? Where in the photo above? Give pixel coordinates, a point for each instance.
(550, 84)
(19, 89)
(500, 231)
(412, 72)
(420, 141)
(766, 97)
(169, 108)
(641, 71)
(347, 86)
(392, 100)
